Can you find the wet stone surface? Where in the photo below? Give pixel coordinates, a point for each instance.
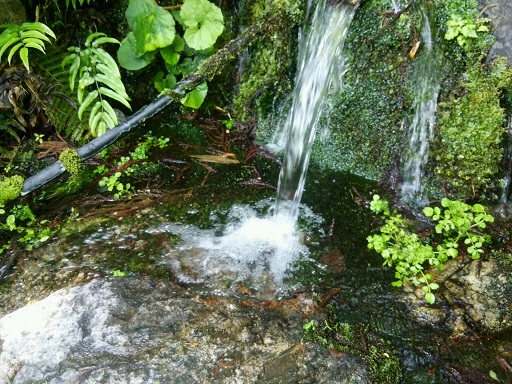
(500, 13)
(144, 331)
(475, 297)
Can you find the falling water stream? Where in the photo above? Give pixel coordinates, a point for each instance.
(320, 58)
(427, 81)
(253, 242)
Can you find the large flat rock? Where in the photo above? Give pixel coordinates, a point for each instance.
(128, 330)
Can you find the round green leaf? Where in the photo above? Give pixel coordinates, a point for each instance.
(154, 30)
(204, 23)
(130, 58)
(195, 98)
(428, 211)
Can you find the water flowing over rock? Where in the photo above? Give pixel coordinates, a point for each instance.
(140, 331)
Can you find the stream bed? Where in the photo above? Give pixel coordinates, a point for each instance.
(203, 245)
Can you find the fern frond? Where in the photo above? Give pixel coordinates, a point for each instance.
(22, 37)
(98, 78)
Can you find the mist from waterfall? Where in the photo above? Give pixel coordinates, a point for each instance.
(426, 82)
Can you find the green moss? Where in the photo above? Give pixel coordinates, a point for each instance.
(366, 118)
(379, 356)
(270, 60)
(10, 188)
(468, 147)
(72, 161)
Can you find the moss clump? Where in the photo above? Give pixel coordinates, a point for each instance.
(10, 188)
(468, 148)
(271, 59)
(366, 118)
(72, 161)
(379, 356)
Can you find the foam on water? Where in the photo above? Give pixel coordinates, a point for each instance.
(254, 248)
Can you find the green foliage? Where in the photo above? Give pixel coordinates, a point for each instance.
(118, 273)
(98, 78)
(266, 78)
(458, 224)
(22, 37)
(203, 21)
(22, 221)
(113, 184)
(154, 31)
(465, 29)
(382, 361)
(467, 149)
(72, 161)
(143, 149)
(10, 189)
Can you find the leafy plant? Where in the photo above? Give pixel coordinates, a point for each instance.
(458, 224)
(112, 183)
(98, 78)
(22, 37)
(465, 29)
(154, 31)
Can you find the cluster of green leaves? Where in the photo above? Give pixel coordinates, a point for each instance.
(10, 189)
(20, 219)
(72, 161)
(98, 76)
(73, 2)
(113, 184)
(465, 29)
(142, 151)
(458, 224)
(154, 31)
(22, 37)
(467, 149)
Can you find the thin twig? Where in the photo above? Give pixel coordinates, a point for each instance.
(390, 23)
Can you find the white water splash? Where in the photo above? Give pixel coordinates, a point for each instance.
(421, 131)
(253, 249)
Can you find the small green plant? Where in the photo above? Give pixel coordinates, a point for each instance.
(465, 29)
(202, 23)
(22, 37)
(118, 273)
(73, 2)
(98, 79)
(112, 183)
(143, 149)
(21, 220)
(457, 223)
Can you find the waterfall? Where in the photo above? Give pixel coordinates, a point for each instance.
(427, 81)
(320, 60)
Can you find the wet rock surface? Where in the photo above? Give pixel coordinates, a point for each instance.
(144, 331)
(474, 298)
(500, 13)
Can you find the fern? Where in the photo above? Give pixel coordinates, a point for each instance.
(97, 77)
(22, 37)
(61, 113)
